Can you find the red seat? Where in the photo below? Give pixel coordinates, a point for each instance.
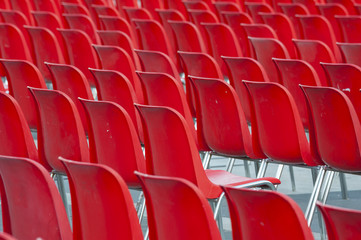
(271, 208)
(314, 52)
(153, 61)
(16, 139)
(317, 27)
(5, 236)
(226, 7)
(292, 73)
(115, 87)
(101, 189)
(23, 6)
(190, 219)
(351, 52)
(125, 3)
(46, 218)
(60, 131)
(283, 28)
(309, 4)
(115, 58)
(154, 38)
(234, 20)
(329, 11)
(348, 4)
(265, 49)
(341, 223)
(244, 69)
(350, 28)
(81, 54)
(122, 40)
(181, 150)
(118, 24)
(223, 42)
(13, 44)
(71, 81)
(332, 109)
(118, 135)
(83, 23)
(47, 49)
(345, 77)
(199, 65)
(21, 74)
(291, 10)
(187, 37)
(75, 8)
(47, 5)
(254, 8)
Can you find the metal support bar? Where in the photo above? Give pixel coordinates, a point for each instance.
(343, 184)
(292, 176)
(246, 168)
(206, 159)
(61, 187)
(314, 195)
(230, 164)
(262, 168)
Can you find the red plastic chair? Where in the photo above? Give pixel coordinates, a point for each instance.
(23, 6)
(275, 116)
(71, 81)
(16, 139)
(81, 54)
(316, 27)
(291, 10)
(292, 73)
(349, 5)
(199, 65)
(195, 5)
(122, 40)
(117, 24)
(350, 27)
(115, 58)
(265, 49)
(125, 3)
(346, 78)
(309, 4)
(151, 5)
(314, 52)
(341, 223)
(169, 14)
(46, 47)
(203, 16)
(244, 69)
(75, 8)
(137, 13)
(5, 236)
(60, 131)
(154, 38)
(46, 218)
(18, 19)
(254, 8)
(164, 197)
(101, 189)
(266, 202)
(234, 20)
(115, 87)
(117, 135)
(217, 106)
(328, 116)
(52, 22)
(83, 23)
(187, 37)
(351, 52)
(48, 6)
(181, 150)
(226, 7)
(13, 44)
(329, 11)
(21, 74)
(5, 4)
(283, 28)
(223, 42)
(153, 61)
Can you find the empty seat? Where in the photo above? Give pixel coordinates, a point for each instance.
(351, 52)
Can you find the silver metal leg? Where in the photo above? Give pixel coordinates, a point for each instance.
(206, 159)
(146, 235)
(257, 166)
(60, 180)
(292, 176)
(279, 171)
(314, 195)
(262, 168)
(246, 168)
(329, 176)
(314, 175)
(141, 211)
(139, 202)
(230, 164)
(343, 184)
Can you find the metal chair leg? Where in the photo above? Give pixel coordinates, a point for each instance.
(328, 183)
(314, 195)
(141, 211)
(262, 168)
(246, 168)
(60, 180)
(230, 164)
(343, 184)
(292, 176)
(206, 159)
